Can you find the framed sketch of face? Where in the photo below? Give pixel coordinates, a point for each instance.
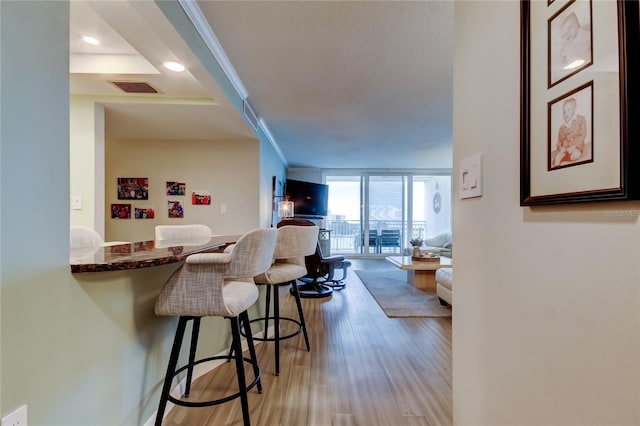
(570, 41)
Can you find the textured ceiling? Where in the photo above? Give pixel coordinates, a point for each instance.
(189, 106)
(340, 84)
(346, 83)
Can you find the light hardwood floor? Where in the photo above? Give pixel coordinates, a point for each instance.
(363, 369)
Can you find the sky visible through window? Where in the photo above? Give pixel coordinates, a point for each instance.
(344, 199)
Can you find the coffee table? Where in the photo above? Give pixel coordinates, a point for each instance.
(421, 275)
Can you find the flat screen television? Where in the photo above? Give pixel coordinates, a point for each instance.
(309, 199)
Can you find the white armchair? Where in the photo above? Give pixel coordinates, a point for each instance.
(444, 285)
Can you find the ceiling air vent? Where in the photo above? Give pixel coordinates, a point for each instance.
(250, 115)
(134, 87)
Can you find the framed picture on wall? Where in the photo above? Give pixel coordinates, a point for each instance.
(570, 42)
(144, 213)
(120, 211)
(176, 188)
(578, 132)
(201, 197)
(175, 209)
(133, 188)
(571, 128)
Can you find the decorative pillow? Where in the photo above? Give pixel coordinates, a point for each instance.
(439, 240)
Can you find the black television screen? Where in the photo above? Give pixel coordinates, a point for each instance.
(309, 199)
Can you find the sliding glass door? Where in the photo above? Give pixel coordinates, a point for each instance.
(377, 214)
(345, 212)
(386, 213)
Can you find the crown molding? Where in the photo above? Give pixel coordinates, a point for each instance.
(194, 13)
(201, 25)
(267, 133)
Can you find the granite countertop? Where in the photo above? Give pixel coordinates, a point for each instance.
(141, 254)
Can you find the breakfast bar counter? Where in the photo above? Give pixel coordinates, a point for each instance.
(117, 257)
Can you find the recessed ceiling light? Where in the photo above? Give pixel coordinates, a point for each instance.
(174, 66)
(90, 40)
(574, 64)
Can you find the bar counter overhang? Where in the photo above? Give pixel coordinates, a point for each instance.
(143, 254)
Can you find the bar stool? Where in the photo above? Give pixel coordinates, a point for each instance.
(216, 284)
(182, 234)
(292, 245)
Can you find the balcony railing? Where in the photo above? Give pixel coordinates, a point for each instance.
(346, 236)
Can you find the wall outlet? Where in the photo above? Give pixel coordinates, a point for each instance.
(16, 418)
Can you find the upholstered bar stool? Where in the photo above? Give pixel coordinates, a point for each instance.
(216, 284)
(292, 245)
(85, 241)
(183, 234)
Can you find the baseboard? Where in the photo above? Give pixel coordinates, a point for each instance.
(198, 371)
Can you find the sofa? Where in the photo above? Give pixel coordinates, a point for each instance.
(441, 244)
(444, 285)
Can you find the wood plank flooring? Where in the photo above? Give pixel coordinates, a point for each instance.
(363, 369)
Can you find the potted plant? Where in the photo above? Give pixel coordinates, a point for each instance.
(416, 243)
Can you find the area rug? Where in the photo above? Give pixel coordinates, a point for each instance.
(398, 298)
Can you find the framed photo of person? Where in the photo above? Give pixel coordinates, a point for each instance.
(120, 211)
(175, 209)
(201, 197)
(579, 131)
(133, 188)
(570, 41)
(571, 128)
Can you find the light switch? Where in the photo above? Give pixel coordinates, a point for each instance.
(223, 208)
(76, 201)
(470, 176)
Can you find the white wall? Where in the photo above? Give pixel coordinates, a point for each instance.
(34, 223)
(306, 174)
(546, 315)
(270, 165)
(229, 170)
(78, 349)
(437, 223)
(86, 155)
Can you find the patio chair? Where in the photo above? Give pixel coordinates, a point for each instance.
(389, 238)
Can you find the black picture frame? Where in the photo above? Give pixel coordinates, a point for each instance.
(607, 176)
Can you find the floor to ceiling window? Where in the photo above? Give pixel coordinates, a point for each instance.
(377, 214)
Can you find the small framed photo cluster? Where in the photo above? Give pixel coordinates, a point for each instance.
(132, 189)
(175, 206)
(138, 189)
